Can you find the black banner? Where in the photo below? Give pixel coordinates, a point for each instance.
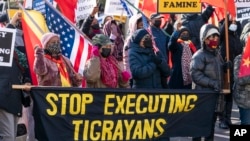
(7, 40)
(68, 114)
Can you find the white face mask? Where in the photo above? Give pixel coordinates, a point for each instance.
(233, 27)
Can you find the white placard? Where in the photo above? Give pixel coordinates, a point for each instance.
(84, 8)
(114, 7)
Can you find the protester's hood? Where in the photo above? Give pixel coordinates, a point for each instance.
(133, 23)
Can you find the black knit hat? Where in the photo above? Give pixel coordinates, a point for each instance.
(138, 35)
(4, 18)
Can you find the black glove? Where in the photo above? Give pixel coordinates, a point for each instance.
(215, 85)
(227, 65)
(156, 58)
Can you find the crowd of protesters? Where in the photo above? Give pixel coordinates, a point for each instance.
(185, 53)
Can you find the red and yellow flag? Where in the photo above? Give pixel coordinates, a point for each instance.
(33, 31)
(245, 61)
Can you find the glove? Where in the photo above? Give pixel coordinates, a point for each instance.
(95, 51)
(215, 85)
(156, 58)
(125, 76)
(227, 65)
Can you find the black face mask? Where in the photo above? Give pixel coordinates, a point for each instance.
(148, 43)
(106, 52)
(95, 26)
(157, 23)
(184, 37)
(53, 49)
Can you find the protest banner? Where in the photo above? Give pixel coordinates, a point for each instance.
(7, 42)
(68, 114)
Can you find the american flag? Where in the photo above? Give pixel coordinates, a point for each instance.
(73, 44)
(125, 6)
(145, 21)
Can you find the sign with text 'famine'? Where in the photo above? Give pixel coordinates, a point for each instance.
(179, 6)
(76, 114)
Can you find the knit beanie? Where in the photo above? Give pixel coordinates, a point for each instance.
(138, 35)
(46, 37)
(207, 30)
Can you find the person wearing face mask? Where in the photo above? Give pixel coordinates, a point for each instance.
(51, 67)
(161, 39)
(181, 49)
(90, 25)
(235, 48)
(207, 69)
(102, 69)
(146, 65)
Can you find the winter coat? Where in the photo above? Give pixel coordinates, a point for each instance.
(10, 99)
(86, 28)
(92, 74)
(145, 73)
(235, 47)
(206, 67)
(241, 89)
(47, 71)
(112, 30)
(132, 28)
(176, 49)
(161, 41)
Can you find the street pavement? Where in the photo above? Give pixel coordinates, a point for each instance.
(220, 134)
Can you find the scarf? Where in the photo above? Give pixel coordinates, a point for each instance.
(64, 76)
(187, 52)
(109, 72)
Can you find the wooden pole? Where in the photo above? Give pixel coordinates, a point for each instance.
(227, 79)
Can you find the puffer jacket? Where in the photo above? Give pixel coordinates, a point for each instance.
(92, 74)
(241, 89)
(47, 71)
(205, 68)
(145, 73)
(132, 28)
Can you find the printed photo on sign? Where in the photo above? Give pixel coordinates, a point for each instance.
(7, 40)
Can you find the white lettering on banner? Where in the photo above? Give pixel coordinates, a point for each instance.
(243, 10)
(2, 34)
(1, 58)
(4, 51)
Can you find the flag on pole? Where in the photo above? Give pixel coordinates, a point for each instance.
(245, 61)
(68, 8)
(220, 3)
(33, 31)
(73, 44)
(145, 22)
(125, 6)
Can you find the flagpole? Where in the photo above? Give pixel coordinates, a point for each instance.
(227, 83)
(32, 20)
(68, 21)
(138, 10)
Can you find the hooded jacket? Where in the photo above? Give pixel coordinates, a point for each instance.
(132, 28)
(206, 66)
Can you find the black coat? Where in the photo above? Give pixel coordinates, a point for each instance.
(10, 99)
(145, 73)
